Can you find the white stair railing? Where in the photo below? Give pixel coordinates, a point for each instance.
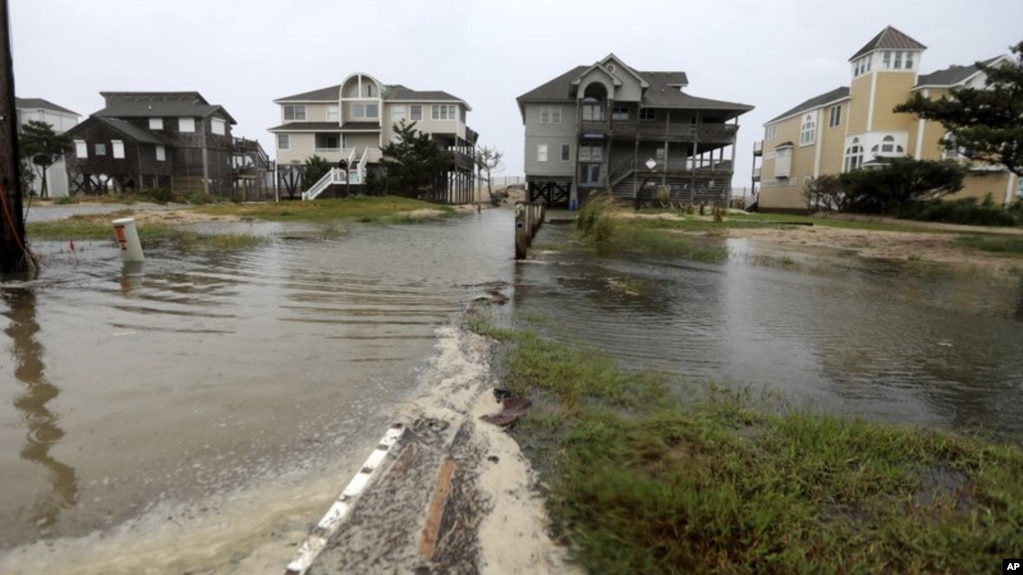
(334, 176)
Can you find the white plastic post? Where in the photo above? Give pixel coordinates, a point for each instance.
(128, 238)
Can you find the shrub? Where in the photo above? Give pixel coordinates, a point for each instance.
(967, 211)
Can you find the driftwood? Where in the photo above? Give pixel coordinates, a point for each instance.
(513, 409)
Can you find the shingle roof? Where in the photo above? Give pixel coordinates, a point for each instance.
(836, 94)
(160, 109)
(394, 92)
(40, 104)
(952, 75)
(122, 126)
(663, 92)
(307, 127)
(889, 39)
(132, 131)
(556, 90)
(330, 93)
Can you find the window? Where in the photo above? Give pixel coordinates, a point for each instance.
(887, 145)
(444, 112)
(328, 142)
(415, 112)
(591, 153)
(898, 60)
(550, 114)
(853, 156)
(161, 154)
(218, 126)
(909, 60)
(81, 149)
(566, 152)
(887, 60)
(101, 149)
(397, 115)
(659, 154)
(361, 111)
(294, 113)
(647, 114)
(155, 123)
(541, 153)
(783, 162)
(591, 173)
(186, 124)
(593, 109)
(771, 132)
(807, 130)
(283, 141)
(835, 116)
(619, 113)
(332, 114)
(861, 66)
(118, 149)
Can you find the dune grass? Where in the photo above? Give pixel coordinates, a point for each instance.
(645, 475)
(363, 209)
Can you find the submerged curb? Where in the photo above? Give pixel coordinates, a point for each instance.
(332, 520)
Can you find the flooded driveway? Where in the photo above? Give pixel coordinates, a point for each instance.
(199, 414)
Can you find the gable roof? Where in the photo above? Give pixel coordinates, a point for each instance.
(394, 92)
(889, 39)
(663, 91)
(319, 95)
(839, 93)
(952, 75)
(123, 127)
(40, 104)
(127, 108)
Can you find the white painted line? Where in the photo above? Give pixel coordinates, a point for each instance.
(331, 521)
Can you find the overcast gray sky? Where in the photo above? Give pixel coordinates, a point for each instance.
(243, 54)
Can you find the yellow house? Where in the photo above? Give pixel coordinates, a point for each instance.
(848, 127)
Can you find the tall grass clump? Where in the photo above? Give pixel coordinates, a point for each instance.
(646, 475)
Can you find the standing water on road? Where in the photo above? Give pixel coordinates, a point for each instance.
(199, 414)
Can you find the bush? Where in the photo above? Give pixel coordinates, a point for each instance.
(966, 211)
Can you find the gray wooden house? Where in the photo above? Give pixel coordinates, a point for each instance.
(144, 140)
(636, 133)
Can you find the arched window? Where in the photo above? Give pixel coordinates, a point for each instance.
(887, 145)
(807, 130)
(853, 155)
(593, 103)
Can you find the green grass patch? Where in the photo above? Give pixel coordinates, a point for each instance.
(151, 234)
(387, 209)
(644, 479)
(993, 243)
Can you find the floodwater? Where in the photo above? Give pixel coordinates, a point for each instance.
(197, 415)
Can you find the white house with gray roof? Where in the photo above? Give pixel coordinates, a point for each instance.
(353, 120)
(61, 120)
(640, 134)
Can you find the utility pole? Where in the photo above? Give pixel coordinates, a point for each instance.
(14, 255)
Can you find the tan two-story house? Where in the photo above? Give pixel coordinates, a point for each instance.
(608, 126)
(854, 126)
(353, 120)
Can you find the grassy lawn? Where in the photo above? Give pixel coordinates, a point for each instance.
(98, 227)
(1008, 245)
(363, 209)
(642, 478)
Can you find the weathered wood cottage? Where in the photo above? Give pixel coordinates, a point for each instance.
(143, 140)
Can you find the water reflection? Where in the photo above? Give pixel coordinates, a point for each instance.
(43, 429)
